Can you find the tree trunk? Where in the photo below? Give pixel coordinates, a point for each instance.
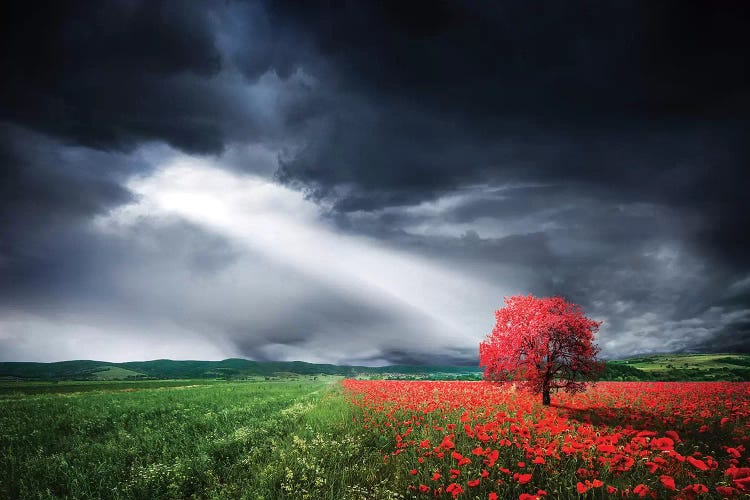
(546, 400)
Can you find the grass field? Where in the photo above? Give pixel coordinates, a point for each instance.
(666, 362)
(23, 390)
(316, 438)
(114, 373)
(665, 367)
(180, 439)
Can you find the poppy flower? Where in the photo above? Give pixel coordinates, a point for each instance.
(523, 478)
(641, 490)
(454, 489)
(698, 464)
(668, 482)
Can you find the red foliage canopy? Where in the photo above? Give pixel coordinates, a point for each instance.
(543, 343)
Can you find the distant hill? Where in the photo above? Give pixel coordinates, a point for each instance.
(662, 367)
(228, 368)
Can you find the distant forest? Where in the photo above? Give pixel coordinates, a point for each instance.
(686, 367)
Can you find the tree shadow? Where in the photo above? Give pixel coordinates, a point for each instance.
(625, 417)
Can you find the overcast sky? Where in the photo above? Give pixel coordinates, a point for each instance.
(363, 183)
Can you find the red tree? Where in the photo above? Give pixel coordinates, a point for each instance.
(546, 344)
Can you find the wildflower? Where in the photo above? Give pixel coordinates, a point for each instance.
(673, 435)
(662, 444)
(740, 477)
(641, 490)
(668, 482)
(733, 452)
(447, 442)
(523, 478)
(698, 464)
(726, 491)
(698, 489)
(454, 489)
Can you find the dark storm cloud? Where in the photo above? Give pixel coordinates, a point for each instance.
(88, 92)
(596, 150)
(447, 357)
(610, 107)
(502, 69)
(114, 75)
(641, 102)
(95, 74)
(49, 193)
(46, 192)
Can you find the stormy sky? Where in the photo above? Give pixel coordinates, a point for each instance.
(363, 183)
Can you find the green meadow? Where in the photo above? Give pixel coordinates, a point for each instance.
(681, 367)
(666, 362)
(257, 434)
(183, 439)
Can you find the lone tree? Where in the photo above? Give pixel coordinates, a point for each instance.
(545, 344)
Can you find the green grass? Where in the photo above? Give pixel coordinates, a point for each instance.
(161, 439)
(234, 369)
(665, 367)
(115, 373)
(15, 389)
(664, 362)
(291, 438)
(681, 367)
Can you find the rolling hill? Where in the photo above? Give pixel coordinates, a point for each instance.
(228, 368)
(662, 367)
(665, 367)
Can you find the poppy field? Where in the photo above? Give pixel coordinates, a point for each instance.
(491, 441)
(328, 438)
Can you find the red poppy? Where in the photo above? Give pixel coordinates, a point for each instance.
(668, 482)
(454, 489)
(523, 478)
(698, 464)
(641, 490)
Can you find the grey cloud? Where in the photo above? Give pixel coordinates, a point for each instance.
(596, 151)
(115, 76)
(91, 72)
(621, 261)
(158, 271)
(444, 357)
